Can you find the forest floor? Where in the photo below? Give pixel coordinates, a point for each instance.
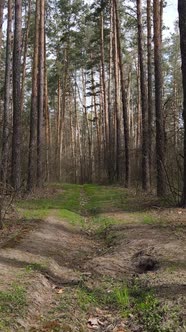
(93, 258)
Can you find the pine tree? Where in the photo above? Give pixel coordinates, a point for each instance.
(7, 96)
(182, 26)
(16, 138)
(160, 149)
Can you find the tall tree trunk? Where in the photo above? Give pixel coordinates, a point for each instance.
(98, 138)
(182, 26)
(160, 151)
(16, 138)
(25, 55)
(40, 131)
(6, 113)
(116, 90)
(150, 100)
(105, 104)
(75, 130)
(144, 103)
(110, 138)
(138, 129)
(2, 3)
(58, 126)
(161, 18)
(34, 103)
(47, 117)
(124, 101)
(102, 127)
(63, 109)
(87, 127)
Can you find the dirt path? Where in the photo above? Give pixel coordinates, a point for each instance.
(56, 252)
(55, 257)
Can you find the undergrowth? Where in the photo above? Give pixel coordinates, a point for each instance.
(12, 303)
(133, 301)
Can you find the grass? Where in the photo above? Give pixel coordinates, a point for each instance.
(116, 296)
(101, 228)
(86, 299)
(104, 198)
(33, 213)
(72, 217)
(81, 205)
(36, 267)
(148, 219)
(12, 303)
(13, 300)
(145, 308)
(74, 202)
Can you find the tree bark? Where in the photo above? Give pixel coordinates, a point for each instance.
(47, 117)
(182, 27)
(40, 131)
(87, 127)
(124, 102)
(160, 150)
(110, 137)
(144, 103)
(16, 138)
(63, 108)
(6, 112)
(34, 104)
(116, 91)
(105, 103)
(150, 100)
(2, 3)
(25, 55)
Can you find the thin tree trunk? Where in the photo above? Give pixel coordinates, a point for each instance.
(2, 4)
(130, 113)
(160, 151)
(138, 129)
(88, 129)
(58, 126)
(34, 104)
(161, 18)
(98, 139)
(110, 137)
(105, 104)
(25, 55)
(144, 103)
(47, 118)
(182, 27)
(75, 131)
(63, 111)
(150, 100)
(124, 102)
(116, 82)
(6, 113)
(102, 126)
(16, 138)
(40, 133)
